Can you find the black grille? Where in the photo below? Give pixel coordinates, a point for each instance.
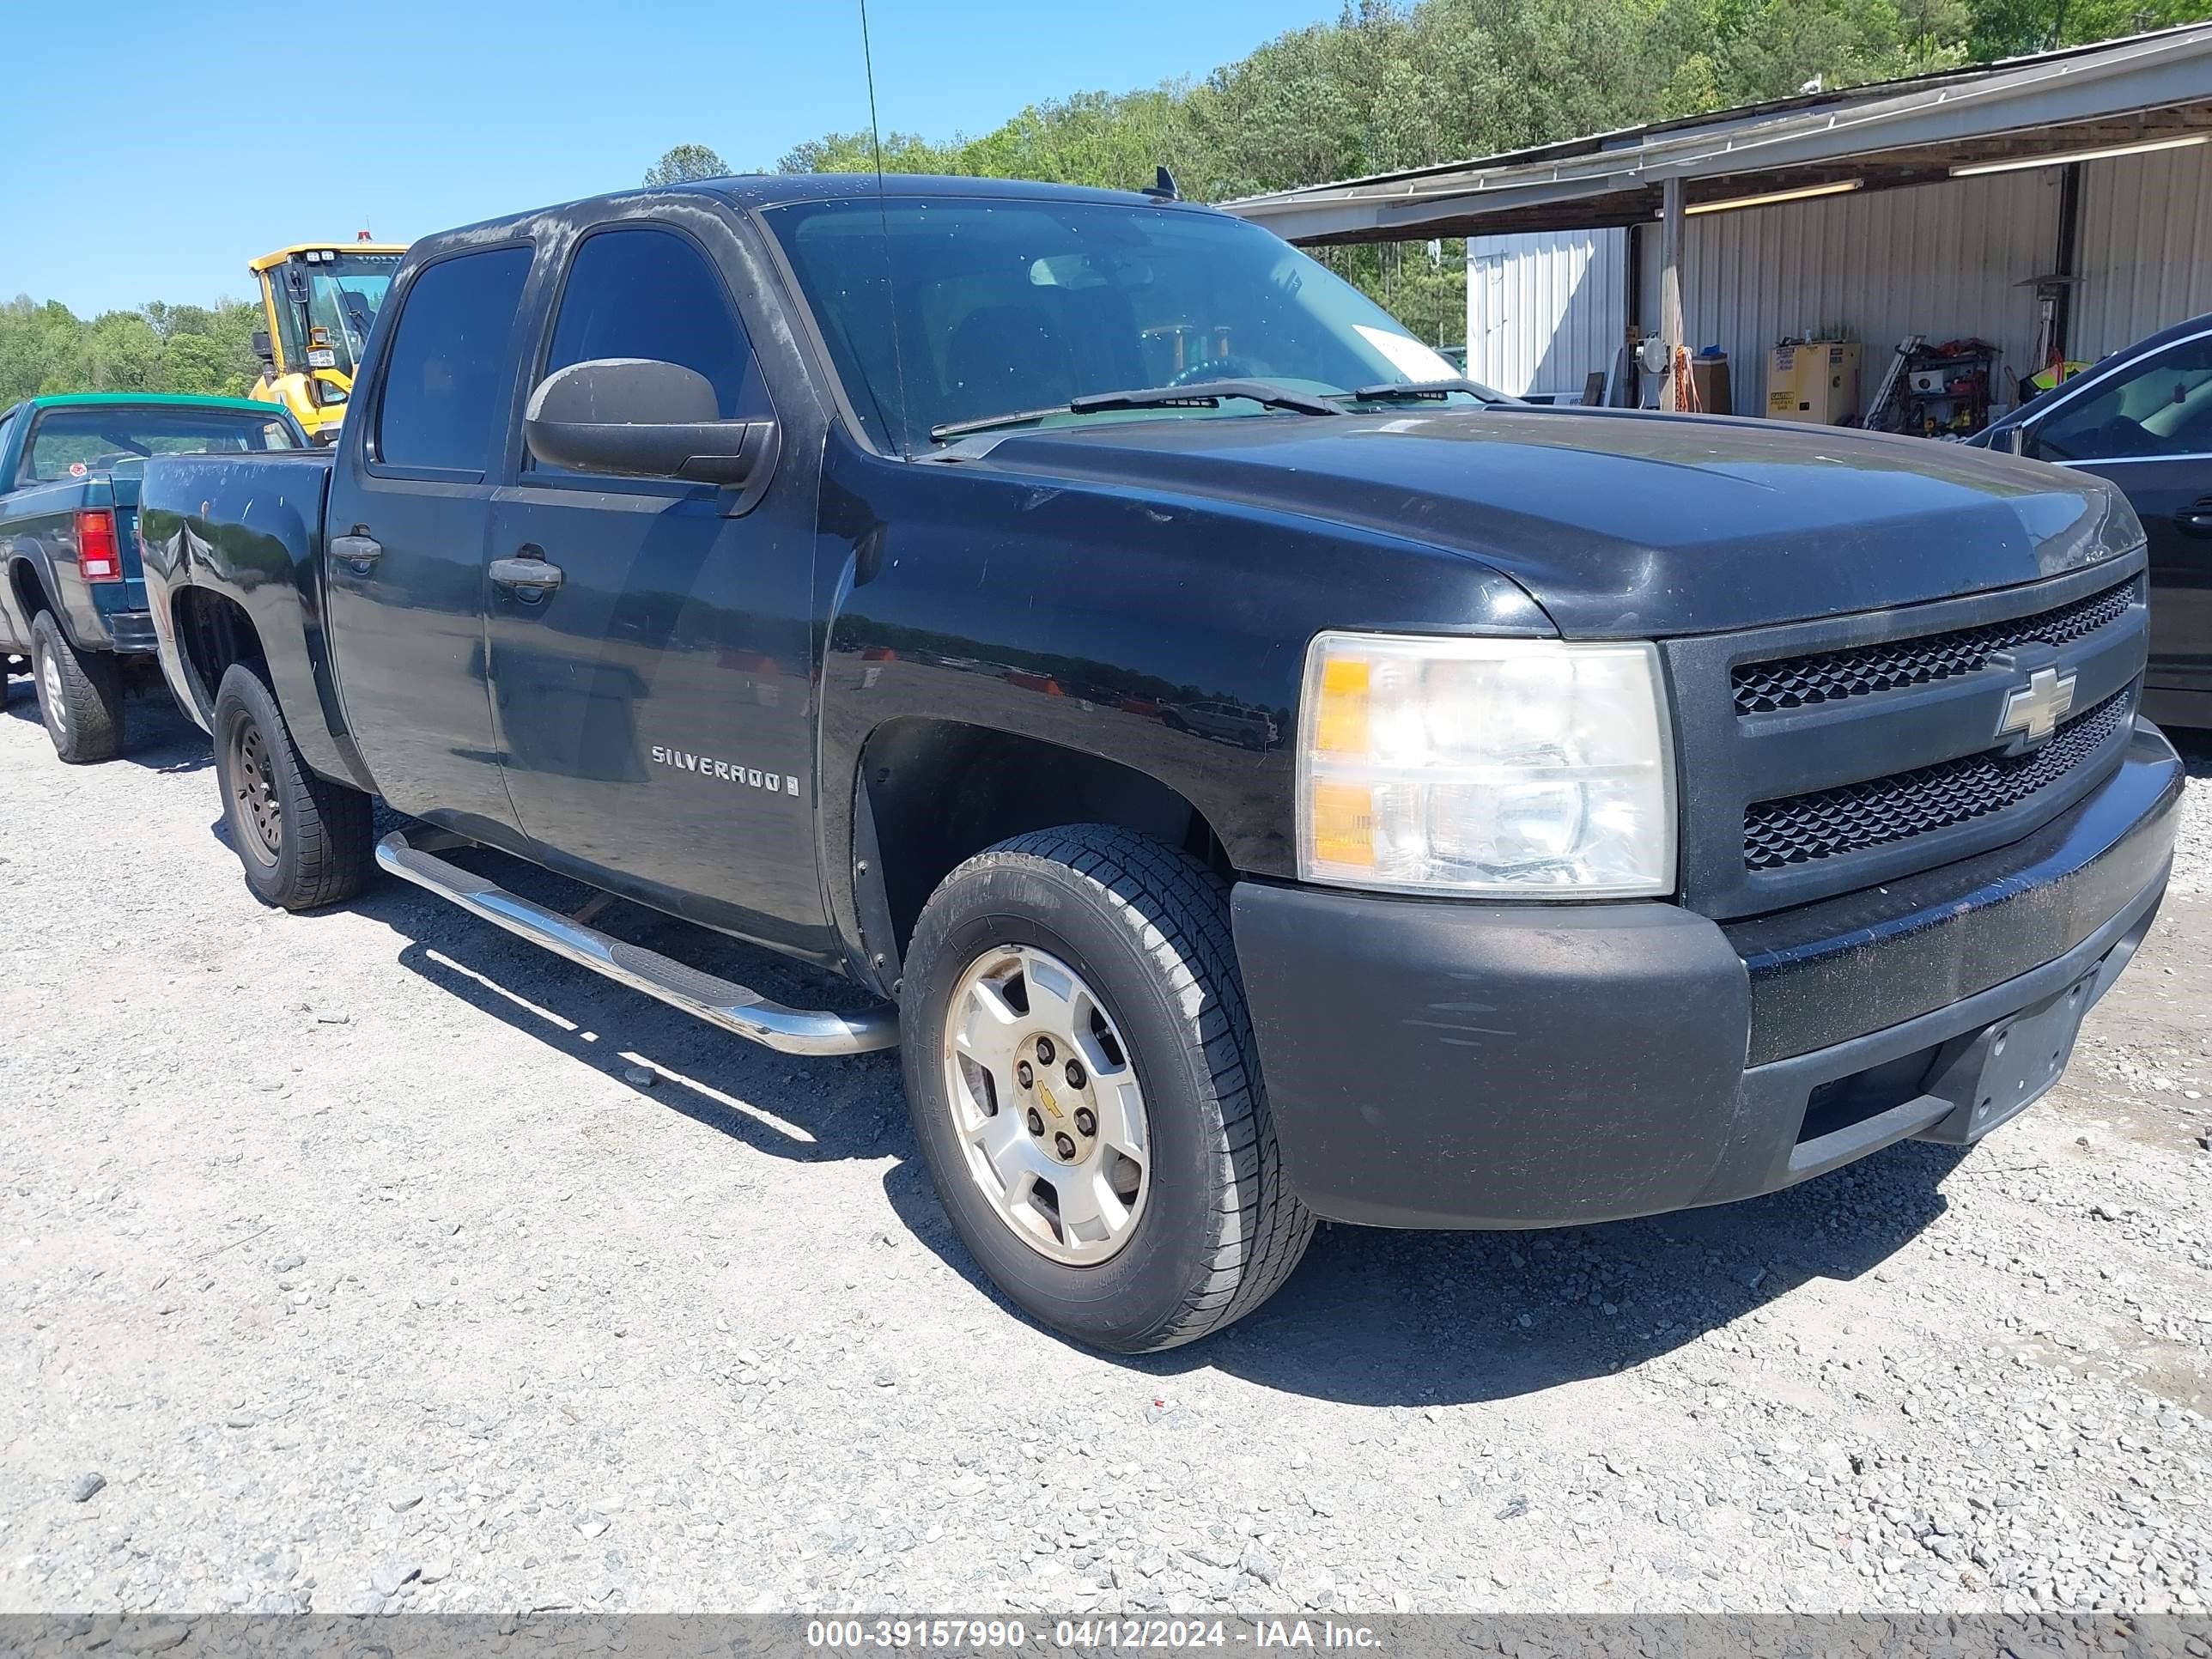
(1795, 682)
(1858, 815)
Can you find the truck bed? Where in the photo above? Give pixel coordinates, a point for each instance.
(247, 528)
(246, 516)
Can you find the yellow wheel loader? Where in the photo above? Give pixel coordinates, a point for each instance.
(318, 300)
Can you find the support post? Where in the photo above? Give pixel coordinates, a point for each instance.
(2069, 245)
(1671, 330)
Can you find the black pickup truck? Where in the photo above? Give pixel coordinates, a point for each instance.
(1258, 776)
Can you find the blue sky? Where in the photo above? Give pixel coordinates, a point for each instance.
(171, 143)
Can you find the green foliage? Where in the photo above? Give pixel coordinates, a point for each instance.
(684, 163)
(1403, 83)
(159, 348)
(1391, 84)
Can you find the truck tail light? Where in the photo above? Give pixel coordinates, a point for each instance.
(98, 555)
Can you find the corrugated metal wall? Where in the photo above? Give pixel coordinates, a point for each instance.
(1940, 260)
(1944, 260)
(2145, 247)
(1545, 310)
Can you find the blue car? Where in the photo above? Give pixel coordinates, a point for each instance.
(2143, 419)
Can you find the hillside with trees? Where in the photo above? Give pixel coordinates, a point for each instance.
(1391, 84)
(158, 347)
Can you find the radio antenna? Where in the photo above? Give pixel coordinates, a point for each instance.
(884, 217)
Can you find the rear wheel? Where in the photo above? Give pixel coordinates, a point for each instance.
(1081, 1073)
(303, 840)
(80, 694)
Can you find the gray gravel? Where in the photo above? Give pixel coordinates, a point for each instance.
(347, 1251)
(2192, 872)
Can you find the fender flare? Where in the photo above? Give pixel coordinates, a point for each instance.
(34, 557)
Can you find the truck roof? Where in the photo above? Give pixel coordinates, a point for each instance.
(773, 189)
(767, 190)
(153, 399)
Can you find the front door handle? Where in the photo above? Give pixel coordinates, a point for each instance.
(533, 577)
(358, 551)
(2195, 520)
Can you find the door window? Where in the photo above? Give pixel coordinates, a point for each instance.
(2161, 406)
(647, 293)
(444, 395)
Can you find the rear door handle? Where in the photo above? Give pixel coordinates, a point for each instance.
(359, 551)
(2195, 520)
(534, 577)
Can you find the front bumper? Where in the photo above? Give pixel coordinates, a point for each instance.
(1434, 1063)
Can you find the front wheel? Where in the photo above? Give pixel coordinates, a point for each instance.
(80, 695)
(304, 839)
(1080, 1069)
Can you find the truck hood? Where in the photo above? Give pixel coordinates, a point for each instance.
(1625, 524)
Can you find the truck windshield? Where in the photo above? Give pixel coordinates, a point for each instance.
(1005, 306)
(71, 443)
(330, 327)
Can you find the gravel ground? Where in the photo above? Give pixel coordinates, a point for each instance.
(347, 1262)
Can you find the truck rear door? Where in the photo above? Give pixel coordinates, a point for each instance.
(650, 644)
(405, 536)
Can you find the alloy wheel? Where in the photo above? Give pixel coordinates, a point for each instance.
(1047, 1105)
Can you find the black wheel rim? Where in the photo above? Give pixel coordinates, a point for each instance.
(253, 787)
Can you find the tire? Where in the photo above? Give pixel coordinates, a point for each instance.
(303, 840)
(1210, 1231)
(80, 694)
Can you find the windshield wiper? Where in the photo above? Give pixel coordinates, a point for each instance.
(1409, 392)
(1199, 394)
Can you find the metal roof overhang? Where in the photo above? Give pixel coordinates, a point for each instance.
(1907, 132)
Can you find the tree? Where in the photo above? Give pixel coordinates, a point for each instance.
(158, 347)
(1394, 84)
(684, 163)
(1391, 84)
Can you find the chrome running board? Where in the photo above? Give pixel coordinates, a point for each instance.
(717, 1001)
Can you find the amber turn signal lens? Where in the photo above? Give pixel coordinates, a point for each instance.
(1341, 721)
(1344, 823)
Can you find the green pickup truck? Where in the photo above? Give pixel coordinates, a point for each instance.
(73, 601)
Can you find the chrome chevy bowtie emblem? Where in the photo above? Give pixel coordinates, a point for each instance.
(2032, 712)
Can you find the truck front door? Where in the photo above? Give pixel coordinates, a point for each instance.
(650, 676)
(409, 509)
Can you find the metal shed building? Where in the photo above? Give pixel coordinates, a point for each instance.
(1914, 207)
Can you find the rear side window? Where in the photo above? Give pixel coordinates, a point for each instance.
(647, 293)
(443, 390)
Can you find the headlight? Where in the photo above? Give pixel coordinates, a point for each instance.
(1521, 768)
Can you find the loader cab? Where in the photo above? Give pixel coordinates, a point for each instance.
(317, 300)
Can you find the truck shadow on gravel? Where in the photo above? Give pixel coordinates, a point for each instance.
(1371, 1317)
(156, 735)
(1381, 1318)
(805, 1110)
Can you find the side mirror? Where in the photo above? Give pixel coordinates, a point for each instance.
(2016, 439)
(640, 418)
(263, 347)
